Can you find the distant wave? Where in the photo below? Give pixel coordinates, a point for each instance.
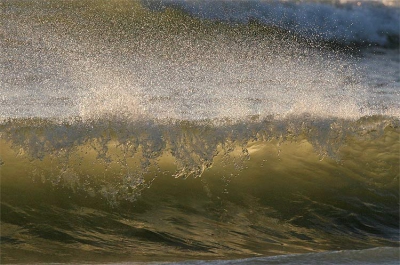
(357, 22)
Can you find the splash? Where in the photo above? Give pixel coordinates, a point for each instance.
(134, 63)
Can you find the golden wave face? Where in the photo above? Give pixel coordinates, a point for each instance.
(197, 190)
(123, 153)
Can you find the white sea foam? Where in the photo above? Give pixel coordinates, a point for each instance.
(375, 256)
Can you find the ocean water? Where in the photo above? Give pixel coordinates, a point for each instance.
(200, 132)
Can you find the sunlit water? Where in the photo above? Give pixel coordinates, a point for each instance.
(231, 132)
